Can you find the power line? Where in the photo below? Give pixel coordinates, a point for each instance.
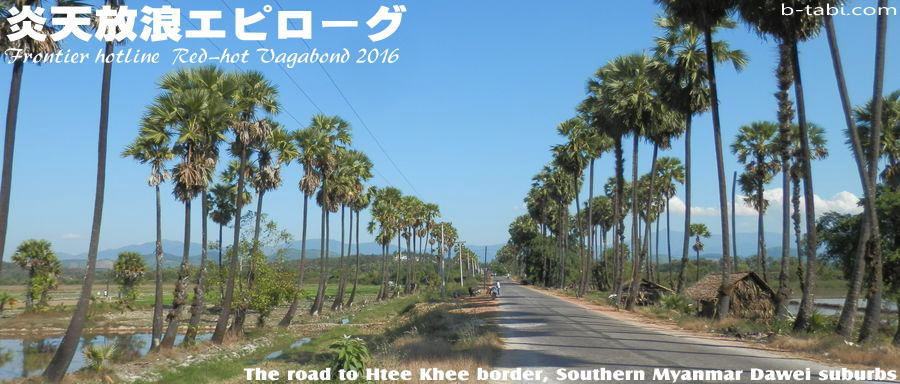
(292, 79)
(355, 112)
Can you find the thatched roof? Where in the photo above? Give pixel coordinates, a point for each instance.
(708, 287)
(647, 285)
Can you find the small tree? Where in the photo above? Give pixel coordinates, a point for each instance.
(37, 257)
(129, 269)
(6, 300)
(699, 231)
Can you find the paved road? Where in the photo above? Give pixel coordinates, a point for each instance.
(546, 333)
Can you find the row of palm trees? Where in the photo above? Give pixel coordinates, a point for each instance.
(199, 111)
(653, 98)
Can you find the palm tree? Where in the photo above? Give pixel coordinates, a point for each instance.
(785, 77)
(791, 31)
(698, 231)
(255, 95)
(881, 136)
(357, 169)
(305, 140)
(669, 171)
(182, 106)
(706, 15)
(756, 146)
(37, 257)
(330, 136)
(686, 89)
(871, 222)
(152, 147)
(358, 204)
(14, 52)
(386, 219)
(129, 269)
(573, 157)
(66, 350)
(272, 151)
(221, 209)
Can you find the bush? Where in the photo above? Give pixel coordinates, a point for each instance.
(677, 303)
(351, 354)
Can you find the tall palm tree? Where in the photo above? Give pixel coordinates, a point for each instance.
(255, 96)
(669, 171)
(875, 273)
(360, 203)
(598, 143)
(785, 77)
(791, 31)
(755, 146)
(183, 107)
(353, 169)
(272, 151)
(686, 89)
(305, 140)
(699, 231)
(14, 51)
(386, 219)
(848, 314)
(152, 146)
(706, 15)
(573, 157)
(222, 209)
(598, 107)
(66, 350)
(330, 136)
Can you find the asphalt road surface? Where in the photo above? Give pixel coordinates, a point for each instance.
(544, 334)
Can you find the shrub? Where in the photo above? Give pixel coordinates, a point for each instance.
(351, 354)
(677, 303)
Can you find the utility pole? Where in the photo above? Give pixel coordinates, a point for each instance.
(485, 269)
(441, 255)
(459, 254)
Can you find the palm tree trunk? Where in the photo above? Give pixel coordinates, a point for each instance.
(785, 115)
(180, 296)
(384, 282)
(724, 299)
(295, 302)
(240, 315)
(338, 302)
(323, 254)
(874, 264)
(156, 331)
(848, 312)
(399, 267)
(619, 218)
(356, 270)
(590, 225)
(66, 350)
(801, 323)
(222, 323)
(582, 278)
(669, 245)
(637, 257)
(734, 252)
(656, 252)
(761, 230)
(198, 306)
(896, 341)
(687, 203)
(9, 144)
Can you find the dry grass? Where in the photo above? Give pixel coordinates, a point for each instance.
(834, 348)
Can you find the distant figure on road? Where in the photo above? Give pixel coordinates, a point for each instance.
(498, 288)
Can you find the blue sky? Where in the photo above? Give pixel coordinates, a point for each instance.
(468, 113)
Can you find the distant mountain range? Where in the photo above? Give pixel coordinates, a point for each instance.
(173, 249)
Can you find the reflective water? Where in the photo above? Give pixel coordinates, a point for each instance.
(28, 357)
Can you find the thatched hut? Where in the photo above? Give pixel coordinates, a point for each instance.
(751, 297)
(648, 292)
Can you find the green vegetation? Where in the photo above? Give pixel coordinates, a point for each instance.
(37, 257)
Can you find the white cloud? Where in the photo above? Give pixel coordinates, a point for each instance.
(842, 202)
(70, 236)
(676, 205)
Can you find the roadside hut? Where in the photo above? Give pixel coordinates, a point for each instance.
(751, 297)
(648, 292)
